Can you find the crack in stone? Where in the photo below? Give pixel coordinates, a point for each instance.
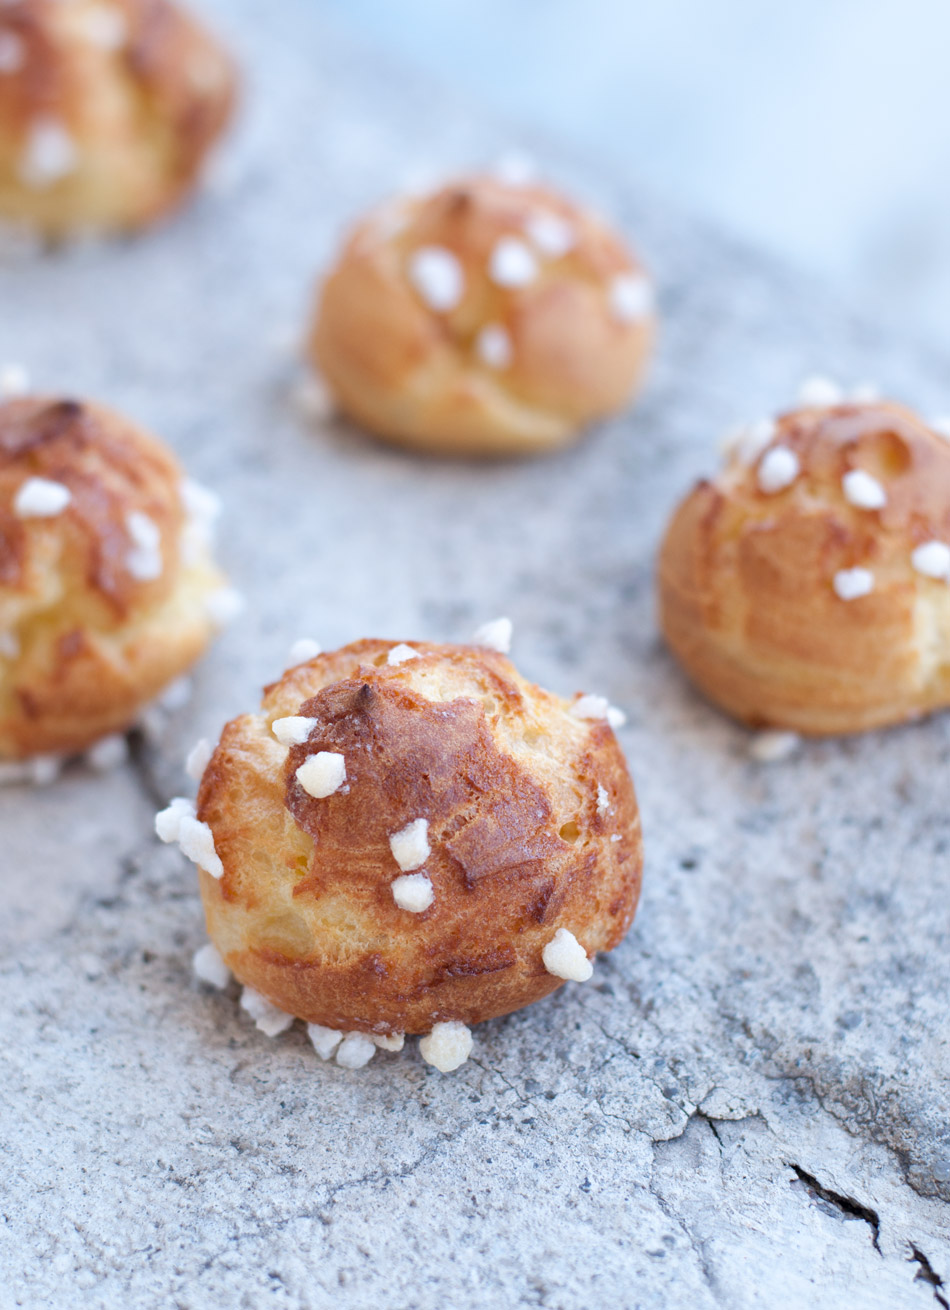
(901, 1156)
(138, 765)
(696, 1245)
(927, 1274)
(846, 1204)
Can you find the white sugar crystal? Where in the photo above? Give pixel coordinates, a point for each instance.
(355, 1051)
(819, 393)
(144, 560)
(196, 841)
(199, 757)
(512, 263)
(267, 1017)
(108, 754)
(9, 645)
(293, 730)
(322, 774)
(325, 1040)
(313, 399)
(495, 635)
(447, 1047)
(565, 957)
(104, 26)
(14, 381)
(553, 235)
(941, 425)
(516, 168)
(202, 511)
(50, 155)
(177, 695)
(865, 393)
(851, 584)
(590, 706)
(862, 490)
(493, 346)
(200, 502)
(410, 846)
(603, 800)
(39, 498)
(773, 746)
(303, 650)
(778, 469)
(223, 606)
(413, 892)
(755, 438)
(932, 559)
(12, 53)
(615, 717)
(401, 653)
(168, 821)
(630, 296)
(45, 769)
(394, 1043)
(438, 277)
(209, 967)
(615, 836)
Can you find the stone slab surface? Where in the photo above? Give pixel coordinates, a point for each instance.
(748, 1105)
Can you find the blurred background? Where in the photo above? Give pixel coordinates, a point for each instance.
(819, 130)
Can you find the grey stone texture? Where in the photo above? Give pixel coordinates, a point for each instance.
(748, 1105)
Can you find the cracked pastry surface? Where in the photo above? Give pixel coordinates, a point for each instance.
(105, 574)
(806, 587)
(485, 318)
(521, 816)
(107, 111)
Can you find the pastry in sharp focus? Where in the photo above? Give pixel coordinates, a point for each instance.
(107, 588)
(806, 586)
(485, 318)
(107, 111)
(410, 838)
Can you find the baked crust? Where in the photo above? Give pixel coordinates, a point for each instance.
(415, 376)
(508, 781)
(107, 111)
(85, 642)
(747, 579)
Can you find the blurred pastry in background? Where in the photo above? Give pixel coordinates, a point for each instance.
(485, 318)
(108, 592)
(108, 109)
(410, 838)
(807, 586)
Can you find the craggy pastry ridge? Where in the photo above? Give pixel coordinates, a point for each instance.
(806, 587)
(106, 579)
(485, 318)
(532, 826)
(107, 111)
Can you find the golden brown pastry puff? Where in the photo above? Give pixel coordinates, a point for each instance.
(806, 587)
(107, 110)
(485, 318)
(411, 839)
(107, 589)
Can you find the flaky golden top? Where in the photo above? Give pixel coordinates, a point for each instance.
(483, 315)
(107, 108)
(107, 586)
(531, 820)
(118, 480)
(807, 585)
